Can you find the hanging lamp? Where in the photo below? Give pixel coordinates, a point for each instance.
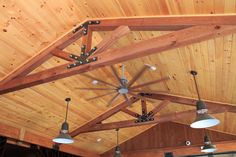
(117, 149)
(64, 137)
(208, 146)
(203, 119)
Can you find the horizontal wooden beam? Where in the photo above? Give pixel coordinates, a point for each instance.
(163, 23)
(32, 138)
(136, 50)
(103, 116)
(191, 101)
(223, 146)
(158, 119)
(43, 55)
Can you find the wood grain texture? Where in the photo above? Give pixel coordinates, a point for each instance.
(32, 138)
(141, 49)
(158, 140)
(27, 28)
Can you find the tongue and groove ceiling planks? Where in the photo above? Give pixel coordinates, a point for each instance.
(27, 28)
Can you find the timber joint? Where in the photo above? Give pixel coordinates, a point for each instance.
(85, 26)
(144, 118)
(83, 58)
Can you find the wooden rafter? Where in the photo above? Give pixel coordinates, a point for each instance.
(159, 108)
(191, 101)
(136, 50)
(112, 38)
(163, 23)
(131, 113)
(43, 55)
(62, 54)
(32, 138)
(158, 119)
(103, 116)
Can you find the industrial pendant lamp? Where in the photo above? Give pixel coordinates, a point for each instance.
(208, 146)
(203, 119)
(117, 149)
(64, 137)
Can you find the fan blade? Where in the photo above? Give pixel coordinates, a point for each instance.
(99, 96)
(99, 80)
(135, 78)
(127, 99)
(141, 97)
(116, 74)
(96, 88)
(151, 82)
(113, 99)
(150, 91)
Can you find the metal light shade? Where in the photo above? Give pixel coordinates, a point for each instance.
(203, 119)
(64, 137)
(117, 152)
(208, 146)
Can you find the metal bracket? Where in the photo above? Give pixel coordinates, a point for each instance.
(82, 62)
(83, 58)
(83, 47)
(85, 26)
(144, 118)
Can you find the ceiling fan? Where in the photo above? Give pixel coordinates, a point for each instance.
(124, 87)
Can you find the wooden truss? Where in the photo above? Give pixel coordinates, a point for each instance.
(185, 30)
(146, 117)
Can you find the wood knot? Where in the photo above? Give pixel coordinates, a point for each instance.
(217, 27)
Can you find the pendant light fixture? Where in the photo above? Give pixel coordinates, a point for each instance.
(203, 119)
(208, 146)
(117, 149)
(64, 137)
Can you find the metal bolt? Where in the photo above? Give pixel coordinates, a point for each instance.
(94, 48)
(85, 31)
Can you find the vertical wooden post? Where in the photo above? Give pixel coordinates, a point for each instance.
(87, 40)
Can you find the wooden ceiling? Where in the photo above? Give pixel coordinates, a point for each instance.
(26, 28)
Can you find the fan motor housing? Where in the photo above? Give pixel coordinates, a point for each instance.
(123, 90)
